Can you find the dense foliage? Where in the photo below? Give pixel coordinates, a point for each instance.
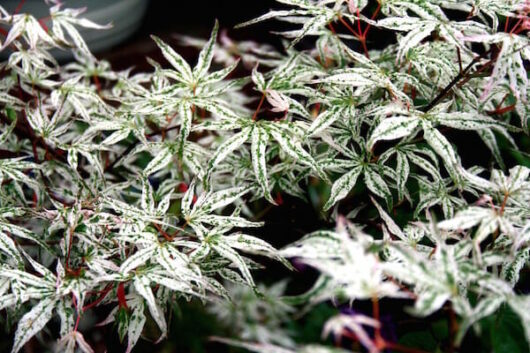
(130, 190)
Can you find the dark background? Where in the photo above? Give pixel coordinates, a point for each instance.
(195, 18)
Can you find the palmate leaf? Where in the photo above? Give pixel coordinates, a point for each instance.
(470, 121)
(253, 245)
(7, 245)
(342, 186)
(65, 20)
(226, 251)
(175, 60)
(327, 118)
(200, 84)
(206, 55)
(295, 150)
(393, 128)
(135, 325)
(429, 302)
(260, 138)
(186, 116)
(376, 183)
(314, 16)
(442, 147)
(402, 173)
(28, 27)
(33, 322)
(69, 342)
(353, 323)
(227, 147)
(142, 286)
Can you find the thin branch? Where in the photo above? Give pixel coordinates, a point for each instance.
(255, 116)
(455, 80)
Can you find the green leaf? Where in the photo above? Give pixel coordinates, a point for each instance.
(139, 258)
(135, 327)
(470, 121)
(429, 301)
(376, 184)
(160, 161)
(253, 245)
(260, 138)
(7, 245)
(294, 149)
(342, 186)
(227, 147)
(227, 252)
(325, 119)
(175, 60)
(206, 55)
(33, 322)
(142, 286)
(186, 116)
(442, 147)
(393, 128)
(402, 173)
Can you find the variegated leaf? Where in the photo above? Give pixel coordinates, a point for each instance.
(342, 186)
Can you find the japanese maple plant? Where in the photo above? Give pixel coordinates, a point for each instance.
(131, 190)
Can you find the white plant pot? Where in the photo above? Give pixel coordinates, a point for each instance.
(125, 15)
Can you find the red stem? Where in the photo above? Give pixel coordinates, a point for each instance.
(346, 24)
(161, 231)
(376, 12)
(516, 25)
(359, 21)
(400, 348)
(259, 107)
(105, 291)
(331, 28)
(19, 7)
(379, 341)
(365, 48)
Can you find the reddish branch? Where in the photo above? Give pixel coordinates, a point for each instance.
(456, 80)
(255, 116)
